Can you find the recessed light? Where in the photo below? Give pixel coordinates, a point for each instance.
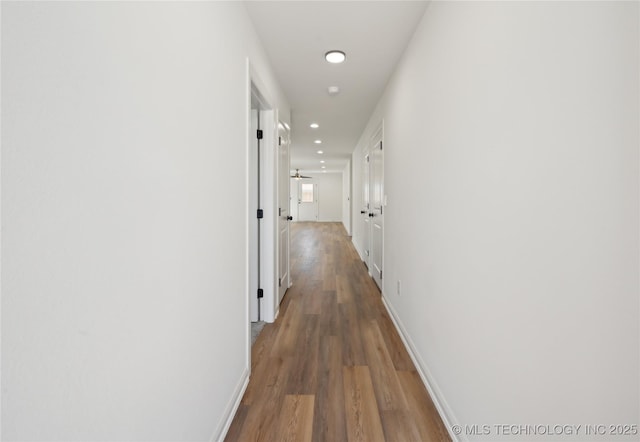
(318, 141)
(320, 152)
(324, 171)
(314, 125)
(335, 57)
(321, 161)
(333, 90)
(324, 167)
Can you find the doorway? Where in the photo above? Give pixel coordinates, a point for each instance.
(307, 201)
(256, 229)
(267, 224)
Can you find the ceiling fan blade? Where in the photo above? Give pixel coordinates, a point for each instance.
(298, 176)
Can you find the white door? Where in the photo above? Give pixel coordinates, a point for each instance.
(283, 211)
(364, 211)
(307, 201)
(376, 191)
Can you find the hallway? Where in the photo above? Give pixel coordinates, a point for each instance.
(332, 367)
(494, 145)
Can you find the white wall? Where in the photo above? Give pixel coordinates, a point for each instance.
(329, 196)
(517, 246)
(346, 197)
(124, 297)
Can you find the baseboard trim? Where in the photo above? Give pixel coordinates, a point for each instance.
(355, 246)
(432, 387)
(232, 407)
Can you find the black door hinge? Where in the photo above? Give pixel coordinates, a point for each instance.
(260, 293)
(279, 141)
(259, 134)
(380, 145)
(260, 214)
(279, 282)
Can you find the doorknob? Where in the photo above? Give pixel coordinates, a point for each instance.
(289, 218)
(371, 214)
(363, 211)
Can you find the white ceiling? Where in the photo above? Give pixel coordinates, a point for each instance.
(297, 34)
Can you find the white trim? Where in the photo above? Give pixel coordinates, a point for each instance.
(355, 245)
(247, 198)
(432, 387)
(268, 239)
(230, 410)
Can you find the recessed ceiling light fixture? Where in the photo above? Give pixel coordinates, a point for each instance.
(333, 90)
(320, 152)
(314, 125)
(324, 167)
(322, 161)
(335, 57)
(318, 141)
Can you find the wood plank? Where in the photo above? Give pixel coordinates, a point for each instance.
(287, 334)
(395, 346)
(343, 288)
(328, 324)
(259, 423)
(329, 417)
(332, 356)
(312, 298)
(424, 413)
(352, 350)
(389, 394)
(238, 422)
(400, 426)
(362, 416)
(295, 421)
(328, 273)
(303, 377)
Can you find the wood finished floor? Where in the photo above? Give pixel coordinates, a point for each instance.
(332, 367)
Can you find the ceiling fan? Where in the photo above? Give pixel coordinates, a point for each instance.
(297, 175)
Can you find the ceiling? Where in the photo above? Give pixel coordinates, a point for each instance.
(297, 34)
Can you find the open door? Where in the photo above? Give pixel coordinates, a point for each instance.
(364, 211)
(284, 217)
(376, 190)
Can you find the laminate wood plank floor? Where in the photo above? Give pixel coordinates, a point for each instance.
(333, 367)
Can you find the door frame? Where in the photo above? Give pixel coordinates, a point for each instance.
(268, 242)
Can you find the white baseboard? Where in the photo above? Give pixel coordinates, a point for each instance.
(355, 245)
(230, 411)
(432, 387)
